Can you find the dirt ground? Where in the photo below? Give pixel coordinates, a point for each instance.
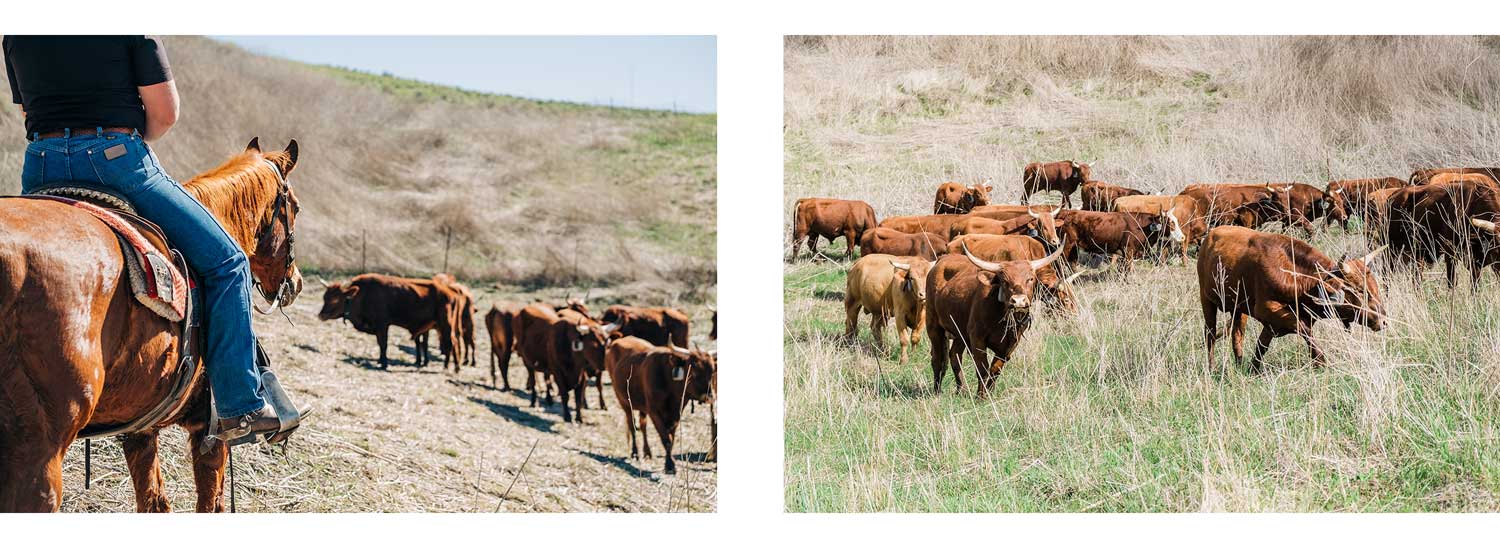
(411, 439)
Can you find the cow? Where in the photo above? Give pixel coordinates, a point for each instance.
(372, 303)
(1451, 221)
(887, 287)
(464, 330)
(937, 224)
(1245, 205)
(1053, 291)
(1375, 208)
(979, 306)
(576, 353)
(1460, 177)
(830, 219)
(1100, 196)
(652, 383)
(1301, 204)
(498, 322)
(1285, 284)
(532, 328)
(657, 325)
(1116, 234)
(1352, 195)
(884, 240)
(1424, 176)
(1060, 176)
(1185, 226)
(955, 198)
(974, 225)
(1046, 220)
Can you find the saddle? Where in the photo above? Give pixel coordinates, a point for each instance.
(159, 283)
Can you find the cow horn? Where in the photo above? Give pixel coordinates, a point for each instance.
(1043, 262)
(902, 266)
(611, 327)
(982, 264)
(1075, 276)
(1033, 214)
(679, 349)
(322, 281)
(1486, 225)
(1371, 256)
(583, 330)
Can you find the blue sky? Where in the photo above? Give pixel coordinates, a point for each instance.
(635, 71)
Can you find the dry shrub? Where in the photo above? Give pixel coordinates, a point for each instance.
(513, 180)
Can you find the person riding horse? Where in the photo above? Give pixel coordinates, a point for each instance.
(91, 106)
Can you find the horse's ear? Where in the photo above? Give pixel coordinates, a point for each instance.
(254, 144)
(291, 152)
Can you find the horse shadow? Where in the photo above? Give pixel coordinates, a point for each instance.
(517, 415)
(617, 461)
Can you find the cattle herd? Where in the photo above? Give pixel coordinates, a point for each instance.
(644, 350)
(969, 273)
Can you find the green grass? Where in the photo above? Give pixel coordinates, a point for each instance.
(1114, 411)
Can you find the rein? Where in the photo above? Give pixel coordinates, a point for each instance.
(279, 211)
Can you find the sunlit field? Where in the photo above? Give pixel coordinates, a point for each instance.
(1115, 408)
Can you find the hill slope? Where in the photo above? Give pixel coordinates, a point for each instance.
(1115, 409)
(534, 192)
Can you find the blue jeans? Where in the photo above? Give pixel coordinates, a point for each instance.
(222, 267)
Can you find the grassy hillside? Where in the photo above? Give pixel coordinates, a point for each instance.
(1113, 409)
(534, 192)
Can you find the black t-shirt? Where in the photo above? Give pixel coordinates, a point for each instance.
(71, 82)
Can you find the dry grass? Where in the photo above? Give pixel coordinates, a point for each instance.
(420, 440)
(1113, 410)
(535, 193)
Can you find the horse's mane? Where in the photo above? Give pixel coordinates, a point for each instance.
(240, 193)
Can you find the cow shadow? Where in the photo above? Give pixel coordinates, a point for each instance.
(516, 414)
(828, 294)
(620, 462)
(373, 364)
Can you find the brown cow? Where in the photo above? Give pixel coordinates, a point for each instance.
(1375, 208)
(830, 219)
(657, 325)
(1060, 176)
(1286, 284)
(464, 322)
(980, 306)
(372, 303)
(1245, 205)
(532, 327)
(1352, 195)
(975, 225)
(1185, 226)
(1100, 196)
(1459, 177)
(1047, 220)
(1054, 291)
(576, 353)
(884, 240)
(937, 224)
(1116, 234)
(1449, 221)
(1301, 204)
(1424, 176)
(498, 321)
(954, 198)
(653, 383)
(887, 287)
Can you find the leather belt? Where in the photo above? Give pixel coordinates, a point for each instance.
(84, 132)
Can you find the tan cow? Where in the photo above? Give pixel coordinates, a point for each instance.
(1185, 225)
(886, 287)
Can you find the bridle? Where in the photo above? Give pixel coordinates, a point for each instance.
(279, 213)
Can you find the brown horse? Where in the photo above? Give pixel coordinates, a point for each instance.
(76, 350)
